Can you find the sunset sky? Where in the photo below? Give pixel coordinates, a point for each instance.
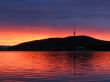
(26, 20)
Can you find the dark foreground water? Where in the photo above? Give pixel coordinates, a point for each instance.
(54, 66)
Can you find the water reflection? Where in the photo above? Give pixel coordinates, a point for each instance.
(54, 66)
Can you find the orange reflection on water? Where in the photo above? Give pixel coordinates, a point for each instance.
(32, 63)
(48, 64)
(101, 62)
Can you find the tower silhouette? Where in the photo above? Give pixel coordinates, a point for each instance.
(74, 37)
(74, 34)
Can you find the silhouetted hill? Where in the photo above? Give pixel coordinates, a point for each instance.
(63, 44)
(2, 47)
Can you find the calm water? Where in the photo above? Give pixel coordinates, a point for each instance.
(54, 66)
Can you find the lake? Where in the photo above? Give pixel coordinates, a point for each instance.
(29, 66)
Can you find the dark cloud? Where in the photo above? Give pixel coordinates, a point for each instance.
(55, 12)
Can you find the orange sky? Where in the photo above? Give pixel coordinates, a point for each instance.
(12, 35)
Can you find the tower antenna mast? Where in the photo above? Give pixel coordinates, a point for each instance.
(74, 30)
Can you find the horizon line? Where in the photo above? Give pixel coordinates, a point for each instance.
(54, 37)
